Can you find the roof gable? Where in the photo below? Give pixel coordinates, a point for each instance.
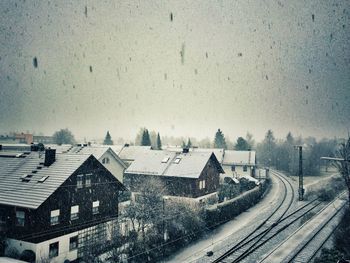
(32, 193)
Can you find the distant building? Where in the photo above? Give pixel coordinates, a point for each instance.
(186, 174)
(239, 163)
(56, 207)
(43, 139)
(14, 138)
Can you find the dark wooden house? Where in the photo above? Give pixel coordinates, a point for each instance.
(186, 174)
(55, 206)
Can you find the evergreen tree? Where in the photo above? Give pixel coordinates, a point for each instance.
(159, 142)
(267, 149)
(250, 140)
(241, 144)
(108, 139)
(219, 141)
(189, 143)
(146, 141)
(183, 145)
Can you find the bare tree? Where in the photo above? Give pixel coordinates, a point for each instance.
(343, 164)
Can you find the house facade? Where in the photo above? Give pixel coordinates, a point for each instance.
(239, 163)
(55, 207)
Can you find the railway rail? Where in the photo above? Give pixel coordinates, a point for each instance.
(249, 243)
(321, 232)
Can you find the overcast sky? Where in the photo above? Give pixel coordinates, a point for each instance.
(120, 65)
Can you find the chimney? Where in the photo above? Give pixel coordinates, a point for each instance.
(50, 156)
(185, 150)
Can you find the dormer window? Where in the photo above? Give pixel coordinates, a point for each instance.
(165, 159)
(177, 160)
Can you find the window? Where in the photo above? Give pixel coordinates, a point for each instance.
(80, 181)
(233, 168)
(201, 184)
(105, 160)
(55, 214)
(244, 168)
(53, 250)
(2, 217)
(74, 212)
(88, 180)
(95, 206)
(20, 218)
(73, 243)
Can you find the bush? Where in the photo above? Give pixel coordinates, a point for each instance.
(325, 190)
(328, 256)
(342, 235)
(227, 210)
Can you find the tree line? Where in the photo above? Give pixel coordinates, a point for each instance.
(271, 152)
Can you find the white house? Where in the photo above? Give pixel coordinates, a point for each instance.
(239, 163)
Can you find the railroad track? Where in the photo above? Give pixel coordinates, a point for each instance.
(298, 249)
(253, 240)
(319, 237)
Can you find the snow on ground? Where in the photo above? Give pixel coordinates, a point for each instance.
(218, 236)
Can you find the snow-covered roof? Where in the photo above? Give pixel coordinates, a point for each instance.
(151, 163)
(191, 164)
(116, 148)
(32, 193)
(129, 153)
(239, 158)
(63, 148)
(172, 164)
(219, 152)
(97, 151)
(15, 147)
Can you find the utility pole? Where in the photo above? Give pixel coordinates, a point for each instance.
(301, 179)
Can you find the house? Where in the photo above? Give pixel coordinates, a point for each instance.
(56, 207)
(43, 139)
(105, 155)
(239, 163)
(185, 174)
(17, 138)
